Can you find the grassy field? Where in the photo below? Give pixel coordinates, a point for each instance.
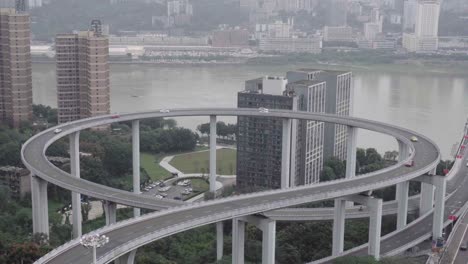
(200, 185)
(199, 162)
(150, 162)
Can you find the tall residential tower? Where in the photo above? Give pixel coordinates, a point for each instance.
(426, 32)
(259, 140)
(339, 101)
(83, 86)
(15, 67)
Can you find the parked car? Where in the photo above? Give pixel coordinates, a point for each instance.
(164, 189)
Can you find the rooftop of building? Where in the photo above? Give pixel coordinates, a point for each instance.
(321, 70)
(12, 11)
(82, 34)
(307, 82)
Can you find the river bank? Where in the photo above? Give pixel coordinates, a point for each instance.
(454, 68)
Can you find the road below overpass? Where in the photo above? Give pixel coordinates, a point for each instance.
(453, 253)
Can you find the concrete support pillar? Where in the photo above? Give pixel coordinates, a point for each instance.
(213, 153)
(40, 210)
(338, 227)
(238, 238)
(219, 240)
(403, 152)
(293, 161)
(268, 241)
(128, 258)
(136, 161)
(286, 154)
(438, 220)
(402, 190)
(75, 172)
(375, 227)
(110, 209)
(351, 152)
(426, 202)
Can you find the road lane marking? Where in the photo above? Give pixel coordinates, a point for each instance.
(459, 244)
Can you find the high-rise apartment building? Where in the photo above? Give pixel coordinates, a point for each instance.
(15, 67)
(35, 3)
(337, 13)
(7, 4)
(339, 101)
(259, 140)
(425, 36)
(307, 144)
(427, 18)
(83, 86)
(409, 15)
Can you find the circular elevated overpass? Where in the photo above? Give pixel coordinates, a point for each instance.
(131, 234)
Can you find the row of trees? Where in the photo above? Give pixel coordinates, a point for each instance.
(223, 130)
(367, 160)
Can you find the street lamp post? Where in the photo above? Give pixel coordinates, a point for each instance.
(94, 241)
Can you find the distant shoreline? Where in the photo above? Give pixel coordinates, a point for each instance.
(411, 66)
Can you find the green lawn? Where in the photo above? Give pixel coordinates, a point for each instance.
(150, 162)
(200, 185)
(199, 162)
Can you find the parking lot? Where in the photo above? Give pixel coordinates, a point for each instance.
(167, 190)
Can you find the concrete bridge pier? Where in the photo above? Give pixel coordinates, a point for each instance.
(351, 152)
(213, 132)
(440, 184)
(351, 142)
(426, 202)
(75, 172)
(286, 154)
(375, 223)
(375, 227)
(238, 240)
(438, 220)
(128, 258)
(339, 227)
(110, 210)
(268, 228)
(136, 161)
(402, 190)
(40, 210)
(219, 240)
